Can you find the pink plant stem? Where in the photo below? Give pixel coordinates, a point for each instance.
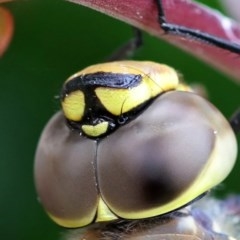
(143, 14)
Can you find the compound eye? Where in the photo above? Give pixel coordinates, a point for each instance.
(73, 105)
(172, 153)
(64, 174)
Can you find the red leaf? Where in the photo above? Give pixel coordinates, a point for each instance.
(143, 14)
(6, 29)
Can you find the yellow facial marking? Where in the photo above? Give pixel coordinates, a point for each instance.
(95, 130)
(103, 213)
(73, 106)
(118, 101)
(153, 79)
(156, 78)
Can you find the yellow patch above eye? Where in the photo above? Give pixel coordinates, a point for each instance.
(73, 105)
(95, 130)
(118, 101)
(121, 100)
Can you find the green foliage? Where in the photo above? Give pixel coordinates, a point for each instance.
(54, 39)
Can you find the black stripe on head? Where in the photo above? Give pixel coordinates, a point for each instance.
(101, 79)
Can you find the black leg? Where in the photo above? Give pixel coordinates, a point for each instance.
(203, 37)
(194, 33)
(129, 48)
(235, 121)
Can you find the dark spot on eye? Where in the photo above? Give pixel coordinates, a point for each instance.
(155, 187)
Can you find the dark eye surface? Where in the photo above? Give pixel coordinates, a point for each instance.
(64, 174)
(160, 161)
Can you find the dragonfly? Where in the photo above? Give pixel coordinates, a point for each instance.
(117, 161)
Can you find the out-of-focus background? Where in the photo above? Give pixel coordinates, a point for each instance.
(52, 40)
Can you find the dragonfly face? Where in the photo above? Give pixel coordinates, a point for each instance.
(132, 144)
(162, 157)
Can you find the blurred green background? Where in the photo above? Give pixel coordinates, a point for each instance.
(52, 40)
